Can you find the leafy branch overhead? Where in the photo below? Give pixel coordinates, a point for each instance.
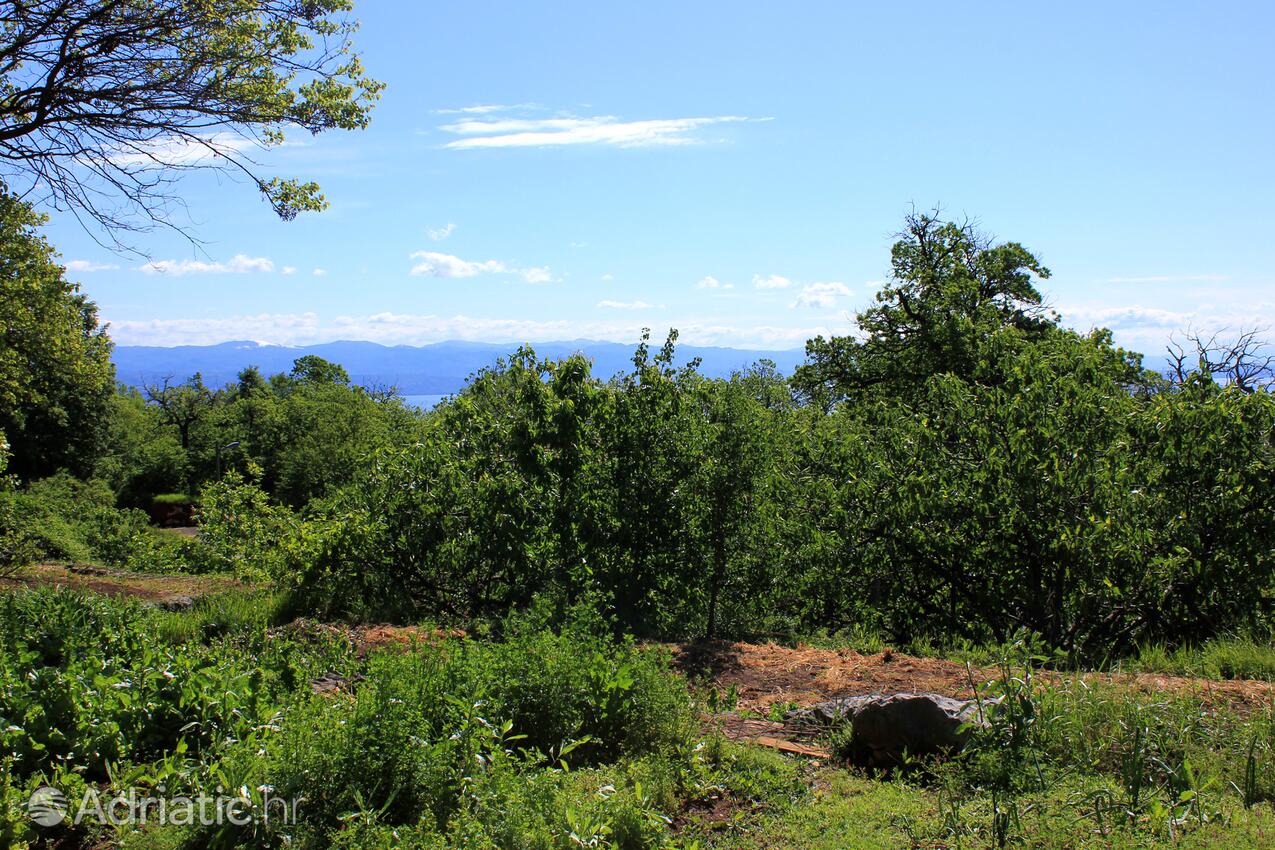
(105, 103)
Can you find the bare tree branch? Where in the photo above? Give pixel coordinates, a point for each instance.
(104, 104)
(1245, 360)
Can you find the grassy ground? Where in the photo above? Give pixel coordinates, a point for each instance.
(551, 740)
(849, 811)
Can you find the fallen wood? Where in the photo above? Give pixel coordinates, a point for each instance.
(789, 747)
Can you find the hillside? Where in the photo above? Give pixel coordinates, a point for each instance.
(436, 369)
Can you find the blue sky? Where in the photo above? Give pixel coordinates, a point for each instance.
(581, 170)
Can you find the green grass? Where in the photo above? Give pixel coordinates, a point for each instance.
(219, 614)
(1224, 658)
(850, 811)
(173, 499)
(1232, 658)
(564, 737)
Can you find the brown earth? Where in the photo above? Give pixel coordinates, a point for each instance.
(766, 674)
(151, 588)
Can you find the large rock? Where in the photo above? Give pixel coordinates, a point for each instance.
(885, 727)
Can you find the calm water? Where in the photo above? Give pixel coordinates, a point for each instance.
(424, 402)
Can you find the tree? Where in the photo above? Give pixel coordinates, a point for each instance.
(731, 479)
(950, 288)
(183, 405)
(56, 377)
(104, 103)
(313, 369)
(1244, 360)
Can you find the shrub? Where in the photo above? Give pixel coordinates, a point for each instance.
(84, 683)
(576, 684)
(241, 532)
(66, 519)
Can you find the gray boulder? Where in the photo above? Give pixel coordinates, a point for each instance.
(885, 727)
(176, 603)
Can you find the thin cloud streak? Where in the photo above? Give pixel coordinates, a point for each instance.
(599, 130)
(1170, 278)
(89, 266)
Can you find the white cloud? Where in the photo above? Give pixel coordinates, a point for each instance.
(179, 151)
(437, 234)
(406, 329)
(598, 130)
(1148, 329)
(1171, 278)
(625, 305)
(773, 281)
(710, 282)
(821, 294)
(89, 266)
(289, 269)
(480, 109)
(319, 272)
(608, 276)
(537, 274)
(435, 264)
(238, 264)
(284, 329)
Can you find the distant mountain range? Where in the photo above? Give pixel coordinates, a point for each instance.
(439, 368)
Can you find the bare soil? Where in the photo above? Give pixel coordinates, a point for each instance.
(109, 582)
(766, 674)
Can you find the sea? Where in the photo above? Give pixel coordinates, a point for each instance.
(424, 402)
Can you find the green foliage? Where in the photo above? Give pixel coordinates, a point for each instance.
(144, 458)
(425, 742)
(1225, 658)
(215, 615)
(56, 377)
(240, 531)
(62, 518)
(17, 545)
(962, 470)
(85, 685)
(166, 72)
(578, 687)
(312, 369)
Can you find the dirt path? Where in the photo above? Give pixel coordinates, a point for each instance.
(766, 674)
(149, 588)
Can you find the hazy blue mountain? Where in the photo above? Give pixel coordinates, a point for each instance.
(415, 370)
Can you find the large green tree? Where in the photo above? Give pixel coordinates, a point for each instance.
(103, 103)
(56, 377)
(949, 290)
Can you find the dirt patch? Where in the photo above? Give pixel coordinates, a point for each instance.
(765, 674)
(149, 588)
(370, 637)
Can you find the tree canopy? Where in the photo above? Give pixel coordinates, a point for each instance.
(56, 377)
(104, 103)
(951, 290)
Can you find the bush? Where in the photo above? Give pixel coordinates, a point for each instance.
(64, 519)
(18, 546)
(575, 684)
(476, 739)
(240, 531)
(83, 683)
